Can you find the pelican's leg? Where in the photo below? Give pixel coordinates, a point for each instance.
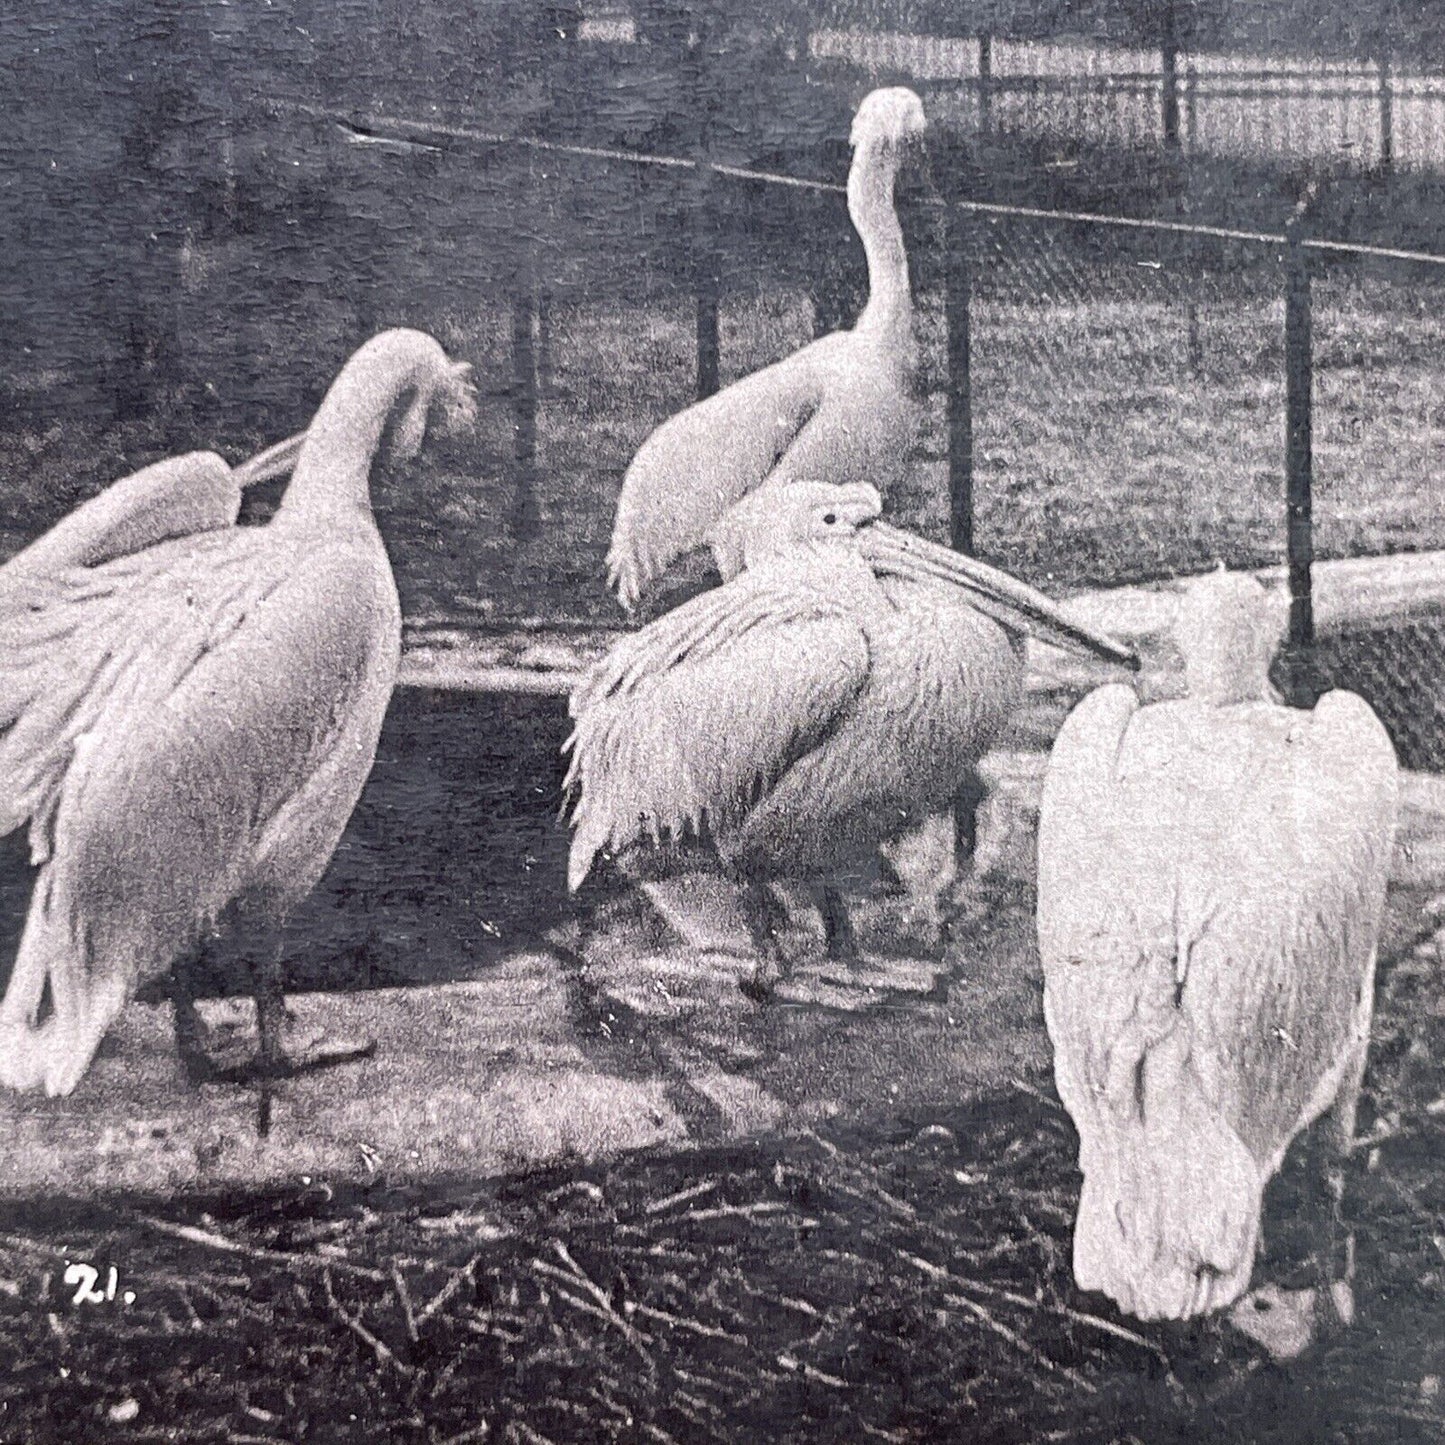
(772, 962)
(273, 1059)
(190, 1031)
(21, 1040)
(1288, 1321)
(842, 941)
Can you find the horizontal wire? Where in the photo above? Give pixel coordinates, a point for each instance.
(404, 130)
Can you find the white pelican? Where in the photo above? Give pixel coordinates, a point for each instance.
(189, 712)
(1211, 874)
(775, 719)
(840, 410)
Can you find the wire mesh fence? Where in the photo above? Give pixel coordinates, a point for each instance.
(1127, 383)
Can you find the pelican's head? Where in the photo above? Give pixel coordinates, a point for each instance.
(1228, 628)
(446, 385)
(888, 119)
(801, 516)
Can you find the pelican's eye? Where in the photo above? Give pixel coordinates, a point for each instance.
(829, 518)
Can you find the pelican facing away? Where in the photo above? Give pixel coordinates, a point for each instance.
(774, 720)
(189, 712)
(1211, 875)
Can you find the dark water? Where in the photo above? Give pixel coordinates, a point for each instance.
(454, 854)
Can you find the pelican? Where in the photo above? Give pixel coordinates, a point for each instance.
(773, 720)
(190, 710)
(839, 410)
(1211, 875)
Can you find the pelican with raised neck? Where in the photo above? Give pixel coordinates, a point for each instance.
(188, 721)
(839, 410)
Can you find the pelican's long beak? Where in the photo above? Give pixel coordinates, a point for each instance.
(266, 466)
(1015, 604)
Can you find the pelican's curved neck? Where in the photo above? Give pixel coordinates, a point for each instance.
(333, 471)
(871, 208)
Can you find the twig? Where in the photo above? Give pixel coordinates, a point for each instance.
(209, 1240)
(1082, 1317)
(489, 1330)
(696, 1326)
(737, 1211)
(1018, 1341)
(470, 1436)
(829, 1148)
(597, 1292)
(353, 1322)
(682, 1196)
(520, 1430)
(877, 1193)
(403, 1296)
(605, 1313)
(29, 1246)
(1052, 1105)
(811, 1372)
(444, 1294)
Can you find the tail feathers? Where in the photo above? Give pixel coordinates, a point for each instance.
(1169, 1216)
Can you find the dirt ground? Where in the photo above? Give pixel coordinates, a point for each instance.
(895, 1267)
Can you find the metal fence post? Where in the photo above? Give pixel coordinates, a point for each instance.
(704, 228)
(985, 83)
(1387, 116)
(525, 517)
(1169, 91)
(705, 281)
(1299, 466)
(957, 296)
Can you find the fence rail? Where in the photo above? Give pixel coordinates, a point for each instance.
(1355, 114)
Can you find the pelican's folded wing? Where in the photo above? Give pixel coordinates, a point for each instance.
(74, 642)
(1279, 987)
(686, 723)
(702, 461)
(1086, 881)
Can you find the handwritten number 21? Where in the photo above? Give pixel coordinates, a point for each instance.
(85, 1276)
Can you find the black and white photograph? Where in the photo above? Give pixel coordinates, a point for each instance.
(722, 721)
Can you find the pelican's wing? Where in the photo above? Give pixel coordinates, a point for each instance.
(174, 498)
(687, 722)
(1080, 788)
(1279, 986)
(73, 641)
(1084, 917)
(702, 461)
(178, 497)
